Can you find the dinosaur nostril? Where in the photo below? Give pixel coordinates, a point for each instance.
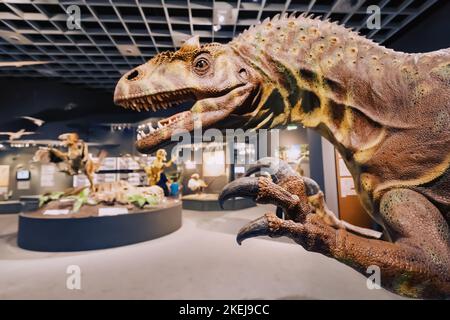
(133, 75)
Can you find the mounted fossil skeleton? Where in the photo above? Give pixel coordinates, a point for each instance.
(75, 161)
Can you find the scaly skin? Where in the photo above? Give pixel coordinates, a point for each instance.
(386, 112)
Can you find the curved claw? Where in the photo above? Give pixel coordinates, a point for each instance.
(278, 169)
(258, 227)
(242, 187)
(260, 164)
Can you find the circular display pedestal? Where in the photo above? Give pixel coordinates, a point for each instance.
(39, 232)
(210, 202)
(8, 207)
(30, 203)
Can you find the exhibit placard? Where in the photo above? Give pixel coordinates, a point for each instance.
(48, 175)
(111, 211)
(56, 212)
(109, 164)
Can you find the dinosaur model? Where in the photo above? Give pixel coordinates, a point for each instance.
(156, 168)
(76, 160)
(13, 136)
(386, 112)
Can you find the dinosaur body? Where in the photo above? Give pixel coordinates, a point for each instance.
(386, 112)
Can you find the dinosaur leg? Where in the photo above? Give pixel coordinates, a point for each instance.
(409, 266)
(89, 172)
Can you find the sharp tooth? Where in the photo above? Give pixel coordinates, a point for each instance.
(152, 129)
(159, 98)
(160, 125)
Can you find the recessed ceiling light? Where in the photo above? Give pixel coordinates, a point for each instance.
(14, 37)
(129, 50)
(47, 72)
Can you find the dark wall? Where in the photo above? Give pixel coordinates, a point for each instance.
(430, 32)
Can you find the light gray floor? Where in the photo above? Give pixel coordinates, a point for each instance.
(199, 261)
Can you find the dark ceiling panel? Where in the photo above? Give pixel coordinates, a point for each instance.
(90, 55)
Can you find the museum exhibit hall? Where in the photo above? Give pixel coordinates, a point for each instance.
(253, 150)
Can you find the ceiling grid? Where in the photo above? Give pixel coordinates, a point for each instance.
(117, 35)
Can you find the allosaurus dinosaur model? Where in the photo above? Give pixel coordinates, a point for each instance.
(386, 112)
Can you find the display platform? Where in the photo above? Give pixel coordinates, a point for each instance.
(96, 227)
(8, 207)
(29, 203)
(210, 202)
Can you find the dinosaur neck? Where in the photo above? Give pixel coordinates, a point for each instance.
(319, 74)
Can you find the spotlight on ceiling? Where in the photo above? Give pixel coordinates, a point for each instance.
(129, 50)
(223, 14)
(346, 6)
(14, 38)
(47, 72)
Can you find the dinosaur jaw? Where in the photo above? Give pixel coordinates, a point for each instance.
(206, 112)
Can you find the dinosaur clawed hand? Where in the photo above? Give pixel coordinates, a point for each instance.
(267, 225)
(280, 186)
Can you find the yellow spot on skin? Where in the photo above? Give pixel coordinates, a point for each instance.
(368, 182)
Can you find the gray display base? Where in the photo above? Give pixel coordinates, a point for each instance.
(210, 203)
(8, 207)
(90, 233)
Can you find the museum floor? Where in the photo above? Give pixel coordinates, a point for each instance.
(199, 261)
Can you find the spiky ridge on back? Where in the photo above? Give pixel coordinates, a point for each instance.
(334, 62)
(299, 41)
(169, 56)
(303, 22)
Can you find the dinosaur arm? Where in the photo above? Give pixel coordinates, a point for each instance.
(57, 156)
(85, 151)
(416, 264)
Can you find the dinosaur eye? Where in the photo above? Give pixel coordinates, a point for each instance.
(201, 65)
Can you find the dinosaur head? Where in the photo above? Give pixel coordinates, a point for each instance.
(161, 155)
(213, 75)
(68, 139)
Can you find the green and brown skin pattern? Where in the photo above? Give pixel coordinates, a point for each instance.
(386, 112)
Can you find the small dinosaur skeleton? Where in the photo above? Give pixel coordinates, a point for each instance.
(386, 112)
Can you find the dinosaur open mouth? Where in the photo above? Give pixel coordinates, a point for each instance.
(155, 101)
(205, 112)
